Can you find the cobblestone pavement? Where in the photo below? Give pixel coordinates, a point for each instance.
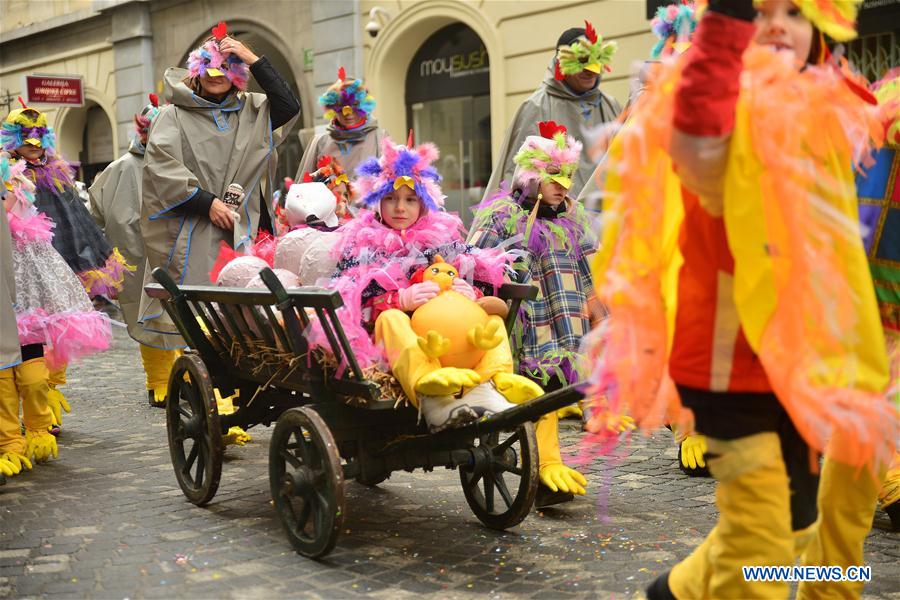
(108, 520)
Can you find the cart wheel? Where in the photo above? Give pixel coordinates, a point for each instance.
(307, 481)
(504, 463)
(192, 422)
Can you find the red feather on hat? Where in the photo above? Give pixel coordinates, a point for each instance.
(549, 128)
(558, 74)
(154, 100)
(589, 32)
(220, 31)
(342, 74)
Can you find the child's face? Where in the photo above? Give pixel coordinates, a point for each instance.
(29, 152)
(781, 25)
(552, 193)
(400, 209)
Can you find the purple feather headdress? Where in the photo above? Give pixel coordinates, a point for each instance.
(398, 166)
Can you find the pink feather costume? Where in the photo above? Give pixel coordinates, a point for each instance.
(52, 307)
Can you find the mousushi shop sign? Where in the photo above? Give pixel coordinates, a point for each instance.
(54, 89)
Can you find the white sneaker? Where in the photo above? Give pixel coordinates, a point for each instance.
(444, 412)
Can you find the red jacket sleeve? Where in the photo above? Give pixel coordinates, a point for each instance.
(708, 90)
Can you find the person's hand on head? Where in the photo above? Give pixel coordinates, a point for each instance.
(232, 46)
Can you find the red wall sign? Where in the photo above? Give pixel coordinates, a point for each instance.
(50, 89)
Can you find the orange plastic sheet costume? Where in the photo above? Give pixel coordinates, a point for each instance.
(802, 286)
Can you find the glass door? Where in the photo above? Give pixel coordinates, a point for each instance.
(461, 129)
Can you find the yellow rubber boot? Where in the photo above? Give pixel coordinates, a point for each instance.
(846, 501)
(33, 381)
(553, 473)
(754, 527)
(408, 362)
(890, 489)
(157, 367)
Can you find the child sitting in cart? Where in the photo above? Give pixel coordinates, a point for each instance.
(382, 255)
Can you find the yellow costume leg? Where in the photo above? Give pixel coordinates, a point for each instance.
(32, 379)
(11, 438)
(754, 527)
(407, 360)
(158, 366)
(690, 578)
(55, 398)
(847, 498)
(235, 436)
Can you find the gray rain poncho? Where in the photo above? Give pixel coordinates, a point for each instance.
(116, 206)
(554, 101)
(195, 145)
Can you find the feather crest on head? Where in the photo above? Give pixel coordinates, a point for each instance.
(209, 59)
(588, 52)
(551, 156)
(674, 25)
(346, 96)
(401, 165)
(143, 119)
(27, 125)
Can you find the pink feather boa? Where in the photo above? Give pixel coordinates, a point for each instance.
(67, 336)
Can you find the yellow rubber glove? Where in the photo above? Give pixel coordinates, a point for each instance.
(486, 337)
(236, 437)
(434, 345)
(41, 445)
(573, 411)
(692, 450)
(610, 422)
(553, 473)
(447, 381)
(8, 468)
(515, 388)
(560, 477)
(57, 403)
(17, 461)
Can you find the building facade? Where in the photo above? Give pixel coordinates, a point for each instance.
(455, 71)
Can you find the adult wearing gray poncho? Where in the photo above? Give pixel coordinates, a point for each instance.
(116, 206)
(569, 96)
(213, 135)
(352, 135)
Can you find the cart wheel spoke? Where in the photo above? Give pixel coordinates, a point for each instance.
(189, 462)
(504, 491)
(290, 459)
(303, 519)
(489, 493)
(502, 447)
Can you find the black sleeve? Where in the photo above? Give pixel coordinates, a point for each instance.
(198, 205)
(739, 9)
(283, 104)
